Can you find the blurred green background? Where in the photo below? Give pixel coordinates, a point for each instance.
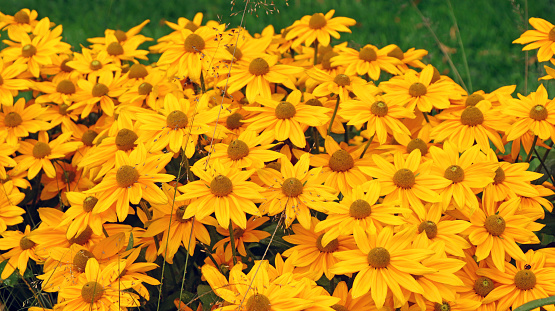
(487, 27)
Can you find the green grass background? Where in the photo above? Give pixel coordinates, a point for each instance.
(487, 27)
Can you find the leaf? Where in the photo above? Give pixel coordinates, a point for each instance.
(206, 296)
(130, 244)
(13, 279)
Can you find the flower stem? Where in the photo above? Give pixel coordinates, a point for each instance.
(531, 305)
(544, 166)
(315, 52)
(366, 147)
(334, 114)
(532, 149)
(425, 114)
(232, 243)
(316, 140)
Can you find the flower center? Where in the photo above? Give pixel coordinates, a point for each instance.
(235, 51)
(430, 227)
(125, 139)
(538, 113)
(99, 90)
(379, 109)
(292, 187)
(237, 149)
(472, 116)
(80, 259)
(419, 144)
(454, 173)
(442, 307)
(68, 177)
(95, 65)
(274, 165)
(233, 122)
(137, 71)
(92, 291)
(341, 161)
(41, 150)
(368, 54)
(83, 237)
(259, 67)
(120, 35)
(63, 109)
(326, 59)
(28, 50)
(64, 66)
(21, 17)
(342, 80)
(145, 88)
(397, 53)
(436, 76)
(404, 178)
(238, 232)
(417, 89)
(317, 21)
(12, 119)
(114, 49)
(525, 279)
(552, 34)
(483, 286)
(378, 257)
(194, 43)
(360, 209)
(473, 99)
(88, 137)
(338, 307)
(89, 203)
(285, 110)
(499, 176)
(221, 186)
(26, 243)
(1, 80)
(65, 87)
(179, 214)
(495, 225)
(314, 102)
(258, 302)
(332, 246)
(126, 176)
(177, 119)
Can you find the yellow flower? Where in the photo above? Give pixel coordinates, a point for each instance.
(82, 215)
(318, 27)
(92, 65)
(368, 61)
(24, 21)
(21, 247)
(240, 236)
(10, 213)
(10, 85)
(18, 121)
(542, 37)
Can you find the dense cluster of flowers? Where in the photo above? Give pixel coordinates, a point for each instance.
(386, 177)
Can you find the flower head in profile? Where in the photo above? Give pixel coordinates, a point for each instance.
(23, 20)
(240, 236)
(369, 60)
(318, 27)
(542, 37)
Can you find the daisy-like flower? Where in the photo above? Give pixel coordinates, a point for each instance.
(358, 214)
(476, 287)
(193, 52)
(467, 173)
(224, 191)
(119, 51)
(123, 36)
(92, 65)
(381, 116)
(496, 229)
(412, 57)
(295, 190)
(182, 23)
(417, 90)
(98, 92)
(325, 101)
(68, 178)
(286, 118)
(384, 262)
(82, 215)
(407, 181)
(264, 294)
(240, 236)
(341, 166)
(133, 178)
(530, 279)
(542, 37)
(347, 301)
(98, 288)
(10, 85)
(24, 21)
(315, 259)
(6, 158)
(150, 89)
(535, 112)
(248, 151)
(18, 121)
(340, 84)
(10, 213)
(257, 75)
(21, 248)
(478, 123)
(38, 154)
(318, 27)
(59, 91)
(368, 61)
(168, 218)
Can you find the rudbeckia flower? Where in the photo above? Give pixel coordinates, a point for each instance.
(542, 37)
(18, 121)
(240, 236)
(10, 85)
(82, 214)
(369, 60)
(23, 20)
(21, 248)
(318, 27)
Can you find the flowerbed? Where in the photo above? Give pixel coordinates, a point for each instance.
(266, 172)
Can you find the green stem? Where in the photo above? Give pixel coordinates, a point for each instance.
(531, 305)
(546, 154)
(202, 85)
(366, 147)
(465, 62)
(334, 114)
(346, 135)
(209, 253)
(544, 166)
(316, 140)
(425, 114)
(232, 243)
(315, 52)
(532, 149)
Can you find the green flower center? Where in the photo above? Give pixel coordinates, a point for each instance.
(95, 65)
(442, 307)
(28, 50)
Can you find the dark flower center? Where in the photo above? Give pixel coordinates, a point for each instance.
(237, 149)
(472, 116)
(126, 176)
(12, 119)
(92, 291)
(89, 203)
(342, 80)
(95, 65)
(379, 257)
(538, 113)
(125, 139)
(483, 286)
(100, 90)
(368, 54)
(258, 302)
(177, 119)
(360, 209)
(454, 173)
(120, 35)
(83, 237)
(499, 176)
(137, 71)
(21, 17)
(495, 225)
(525, 279)
(430, 227)
(65, 87)
(379, 108)
(404, 178)
(221, 186)
(317, 21)
(145, 88)
(285, 110)
(292, 187)
(473, 99)
(114, 49)
(80, 259)
(397, 53)
(234, 121)
(341, 161)
(259, 67)
(417, 89)
(28, 50)
(26, 243)
(88, 137)
(194, 43)
(332, 246)
(419, 144)
(41, 150)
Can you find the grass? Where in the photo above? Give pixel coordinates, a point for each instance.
(487, 27)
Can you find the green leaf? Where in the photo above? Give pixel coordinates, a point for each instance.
(13, 279)
(130, 244)
(206, 296)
